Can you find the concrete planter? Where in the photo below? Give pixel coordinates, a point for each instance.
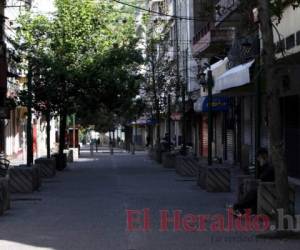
(75, 153)
(4, 195)
(47, 167)
(214, 178)
(70, 155)
(201, 178)
(187, 166)
(266, 199)
(168, 160)
(24, 179)
(60, 162)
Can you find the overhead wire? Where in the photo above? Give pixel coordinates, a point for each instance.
(153, 12)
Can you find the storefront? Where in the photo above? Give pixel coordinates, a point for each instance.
(220, 106)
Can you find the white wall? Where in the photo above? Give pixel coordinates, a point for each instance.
(41, 137)
(186, 34)
(289, 24)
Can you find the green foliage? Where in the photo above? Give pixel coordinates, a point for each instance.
(82, 59)
(114, 80)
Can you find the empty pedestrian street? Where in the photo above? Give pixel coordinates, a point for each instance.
(86, 207)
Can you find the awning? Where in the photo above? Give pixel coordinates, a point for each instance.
(218, 68)
(144, 121)
(219, 104)
(235, 77)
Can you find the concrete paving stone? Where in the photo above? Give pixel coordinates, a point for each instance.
(84, 208)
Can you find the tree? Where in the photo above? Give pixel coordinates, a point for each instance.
(277, 151)
(160, 75)
(67, 65)
(114, 80)
(31, 40)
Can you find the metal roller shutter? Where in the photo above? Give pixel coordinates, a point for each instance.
(204, 136)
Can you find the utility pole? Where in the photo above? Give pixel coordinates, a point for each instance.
(3, 74)
(180, 85)
(48, 131)
(276, 145)
(74, 131)
(169, 121)
(258, 105)
(29, 116)
(210, 83)
(156, 100)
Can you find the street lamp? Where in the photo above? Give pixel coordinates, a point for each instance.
(248, 47)
(206, 80)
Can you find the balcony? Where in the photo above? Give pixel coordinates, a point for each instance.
(211, 41)
(225, 10)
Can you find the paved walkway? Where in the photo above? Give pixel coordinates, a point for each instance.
(84, 208)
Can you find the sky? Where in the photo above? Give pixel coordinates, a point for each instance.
(43, 6)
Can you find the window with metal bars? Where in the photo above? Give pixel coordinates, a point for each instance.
(298, 38)
(290, 42)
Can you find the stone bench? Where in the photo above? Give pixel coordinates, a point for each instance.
(4, 194)
(187, 166)
(214, 178)
(24, 179)
(267, 201)
(47, 167)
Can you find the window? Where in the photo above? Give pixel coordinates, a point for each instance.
(290, 42)
(298, 38)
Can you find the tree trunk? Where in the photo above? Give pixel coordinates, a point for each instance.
(156, 101)
(29, 119)
(48, 129)
(274, 120)
(158, 127)
(3, 70)
(62, 139)
(62, 131)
